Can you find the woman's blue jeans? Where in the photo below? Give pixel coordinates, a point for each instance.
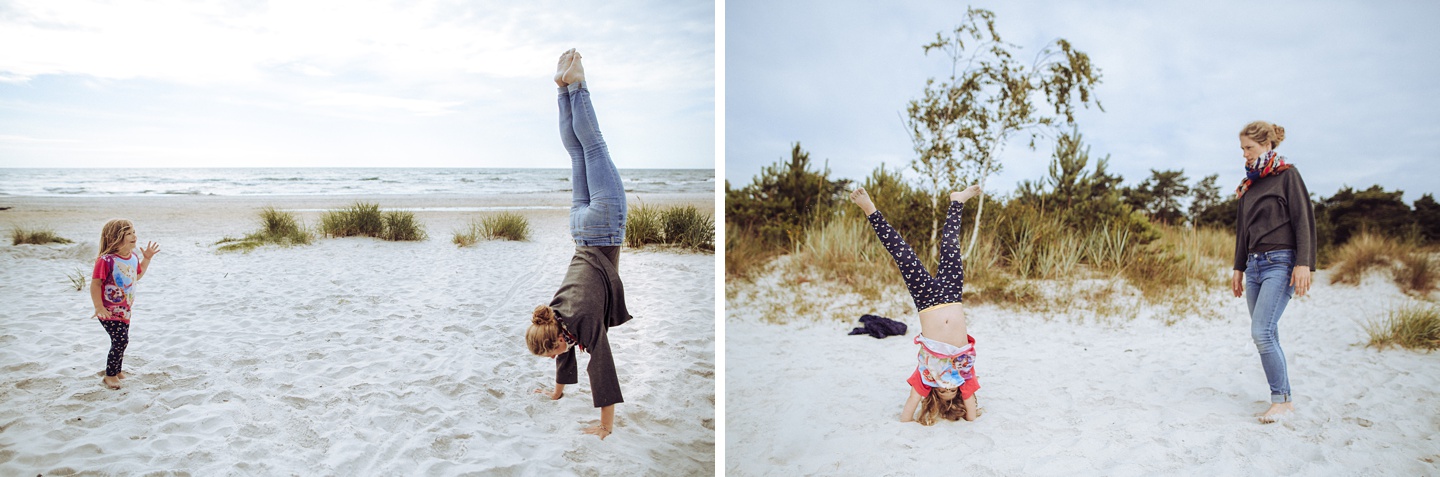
(597, 210)
(1267, 291)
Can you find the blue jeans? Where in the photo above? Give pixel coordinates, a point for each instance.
(1267, 291)
(597, 210)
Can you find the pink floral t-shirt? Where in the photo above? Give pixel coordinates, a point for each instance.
(118, 275)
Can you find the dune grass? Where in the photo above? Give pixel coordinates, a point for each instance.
(78, 278)
(364, 219)
(1413, 326)
(745, 253)
(1416, 273)
(688, 227)
(644, 225)
(1412, 267)
(684, 226)
(35, 236)
(276, 227)
(502, 226)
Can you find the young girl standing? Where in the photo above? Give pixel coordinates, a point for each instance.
(591, 298)
(944, 383)
(112, 289)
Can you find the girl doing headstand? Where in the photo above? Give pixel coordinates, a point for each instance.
(946, 359)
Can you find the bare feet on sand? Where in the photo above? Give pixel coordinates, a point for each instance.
(964, 195)
(112, 381)
(562, 65)
(1277, 411)
(575, 73)
(862, 199)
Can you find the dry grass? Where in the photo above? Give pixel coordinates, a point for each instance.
(643, 226)
(502, 226)
(1413, 326)
(1416, 273)
(36, 236)
(78, 279)
(745, 253)
(276, 227)
(844, 251)
(1412, 268)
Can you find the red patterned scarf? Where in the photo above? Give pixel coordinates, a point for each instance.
(1266, 166)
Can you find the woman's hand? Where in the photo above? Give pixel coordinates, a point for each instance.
(1300, 279)
(151, 248)
(1237, 283)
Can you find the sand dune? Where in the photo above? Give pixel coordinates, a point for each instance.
(347, 357)
(1068, 396)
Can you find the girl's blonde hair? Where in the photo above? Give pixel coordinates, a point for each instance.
(112, 235)
(1265, 133)
(933, 407)
(543, 332)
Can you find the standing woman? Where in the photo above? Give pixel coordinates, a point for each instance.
(591, 298)
(1274, 250)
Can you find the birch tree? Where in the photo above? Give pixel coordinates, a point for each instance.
(963, 122)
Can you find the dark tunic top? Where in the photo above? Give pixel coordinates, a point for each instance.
(589, 302)
(1276, 214)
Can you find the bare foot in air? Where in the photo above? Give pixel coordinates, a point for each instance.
(964, 195)
(1277, 411)
(862, 199)
(561, 66)
(112, 381)
(575, 73)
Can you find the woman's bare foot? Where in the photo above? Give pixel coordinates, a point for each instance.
(1277, 412)
(575, 73)
(964, 195)
(562, 65)
(112, 381)
(862, 199)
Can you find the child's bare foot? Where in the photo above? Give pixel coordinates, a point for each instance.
(862, 199)
(575, 73)
(964, 195)
(121, 375)
(563, 65)
(112, 381)
(1277, 411)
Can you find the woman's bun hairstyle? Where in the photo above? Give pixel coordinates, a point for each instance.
(1263, 132)
(543, 315)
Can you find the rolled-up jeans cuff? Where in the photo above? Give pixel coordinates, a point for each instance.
(1279, 398)
(573, 87)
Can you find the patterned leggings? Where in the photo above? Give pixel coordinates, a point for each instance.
(927, 291)
(119, 337)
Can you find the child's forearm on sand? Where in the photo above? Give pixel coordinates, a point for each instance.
(559, 391)
(911, 403)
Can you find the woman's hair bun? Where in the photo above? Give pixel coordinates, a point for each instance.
(1279, 134)
(543, 315)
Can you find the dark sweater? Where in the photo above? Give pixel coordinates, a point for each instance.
(589, 302)
(1276, 214)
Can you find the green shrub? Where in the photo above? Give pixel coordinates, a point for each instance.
(506, 226)
(359, 219)
(276, 227)
(402, 226)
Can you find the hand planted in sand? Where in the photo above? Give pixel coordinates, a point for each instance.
(598, 430)
(553, 395)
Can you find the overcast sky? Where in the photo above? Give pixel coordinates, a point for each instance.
(348, 83)
(1354, 85)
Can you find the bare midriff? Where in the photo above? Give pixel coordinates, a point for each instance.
(945, 323)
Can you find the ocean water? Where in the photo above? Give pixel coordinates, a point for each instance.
(329, 181)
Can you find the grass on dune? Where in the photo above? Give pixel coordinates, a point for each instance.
(364, 219)
(276, 227)
(35, 236)
(1412, 267)
(685, 226)
(502, 226)
(1413, 326)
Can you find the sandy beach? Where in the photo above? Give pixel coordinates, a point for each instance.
(350, 356)
(1067, 395)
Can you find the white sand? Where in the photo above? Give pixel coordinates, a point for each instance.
(346, 357)
(1060, 398)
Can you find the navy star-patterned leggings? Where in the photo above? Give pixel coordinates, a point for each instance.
(944, 287)
(119, 332)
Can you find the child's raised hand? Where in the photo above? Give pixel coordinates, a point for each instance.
(151, 248)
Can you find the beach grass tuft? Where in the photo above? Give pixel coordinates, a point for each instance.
(359, 219)
(78, 278)
(1362, 253)
(688, 227)
(644, 225)
(35, 236)
(502, 226)
(276, 227)
(401, 226)
(745, 253)
(1413, 326)
(1416, 273)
